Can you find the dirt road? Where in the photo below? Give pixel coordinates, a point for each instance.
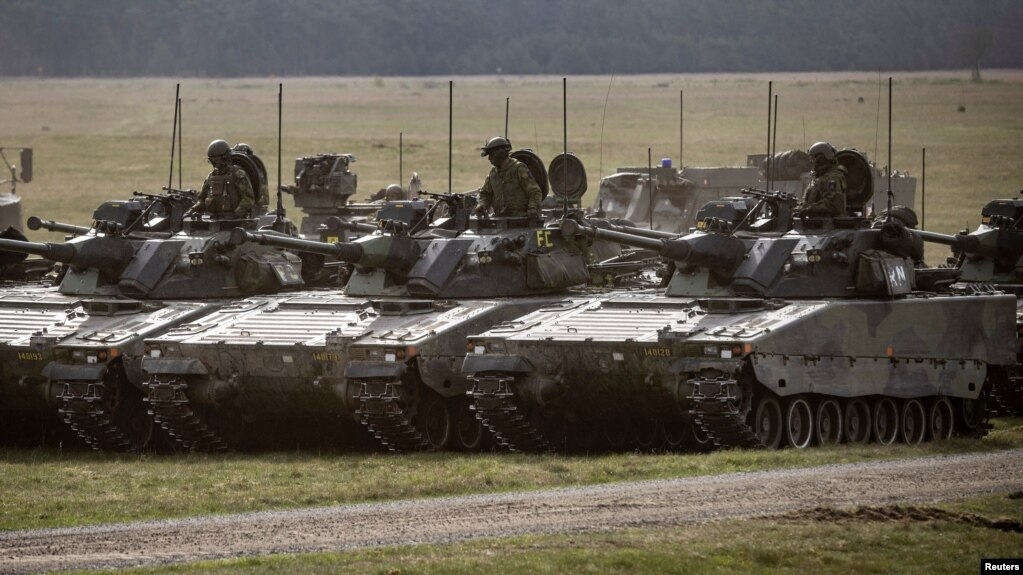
(612, 506)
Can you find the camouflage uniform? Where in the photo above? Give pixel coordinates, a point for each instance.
(510, 190)
(825, 196)
(227, 193)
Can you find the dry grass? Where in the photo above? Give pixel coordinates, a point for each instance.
(99, 139)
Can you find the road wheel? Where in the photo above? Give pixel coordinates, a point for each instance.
(856, 423)
(767, 421)
(828, 423)
(940, 419)
(435, 422)
(469, 432)
(913, 422)
(886, 421)
(799, 423)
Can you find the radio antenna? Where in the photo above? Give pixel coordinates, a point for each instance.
(279, 222)
(923, 191)
(507, 106)
(181, 143)
(451, 116)
(770, 91)
(890, 194)
(564, 170)
(174, 136)
(600, 168)
(774, 140)
(877, 120)
(401, 160)
(650, 182)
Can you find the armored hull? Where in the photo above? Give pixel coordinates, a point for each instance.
(323, 356)
(820, 332)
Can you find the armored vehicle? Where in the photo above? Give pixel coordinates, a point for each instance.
(679, 193)
(817, 332)
(76, 348)
(388, 352)
(993, 255)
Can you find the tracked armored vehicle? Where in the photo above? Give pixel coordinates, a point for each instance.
(822, 333)
(679, 193)
(388, 352)
(76, 349)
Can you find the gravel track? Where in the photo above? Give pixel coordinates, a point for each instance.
(450, 519)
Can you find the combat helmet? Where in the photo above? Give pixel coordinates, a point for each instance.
(495, 143)
(823, 149)
(217, 149)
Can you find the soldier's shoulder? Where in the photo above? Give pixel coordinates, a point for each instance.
(239, 173)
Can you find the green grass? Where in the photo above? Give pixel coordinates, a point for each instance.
(99, 139)
(789, 545)
(49, 489)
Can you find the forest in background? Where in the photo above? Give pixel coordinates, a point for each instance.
(233, 38)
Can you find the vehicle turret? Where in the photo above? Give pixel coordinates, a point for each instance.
(848, 259)
(456, 256)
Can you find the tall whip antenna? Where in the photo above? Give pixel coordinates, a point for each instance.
(607, 96)
(650, 182)
(774, 140)
(507, 107)
(770, 90)
(279, 221)
(451, 115)
(890, 194)
(877, 121)
(564, 171)
(174, 136)
(923, 191)
(401, 159)
(181, 143)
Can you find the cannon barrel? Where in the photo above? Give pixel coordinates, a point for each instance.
(716, 252)
(35, 223)
(96, 252)
(56, 252)
(967, 243)
(345, 252)
(344, 224)
(635, 231)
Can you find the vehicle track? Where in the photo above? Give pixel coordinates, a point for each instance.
(644, 504)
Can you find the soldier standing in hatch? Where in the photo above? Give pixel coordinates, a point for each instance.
(226, 193)
(509, 189)
(825, 196)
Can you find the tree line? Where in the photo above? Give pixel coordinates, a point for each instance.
(224, 38)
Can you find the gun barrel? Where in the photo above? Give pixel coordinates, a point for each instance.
(56, 252)
(361, 227)
(345, 252)
(643, 232)
(676, 249)
(35, 223)
(967, 243)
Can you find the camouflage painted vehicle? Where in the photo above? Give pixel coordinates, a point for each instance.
(823, 333)
(143, 268)
(324, 185)
(993, 255)
(680, 193)
(386, 354)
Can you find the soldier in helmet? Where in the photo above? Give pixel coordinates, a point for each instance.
(227, 192)
(825, 196)
(509, 189)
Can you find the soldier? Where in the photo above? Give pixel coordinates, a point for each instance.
(825, 196)
(509, 189)
(226, 193)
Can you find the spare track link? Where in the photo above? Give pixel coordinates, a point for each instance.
(492, 400)
(712, 406)
(83, 410)
(381, 412)
(168, 404)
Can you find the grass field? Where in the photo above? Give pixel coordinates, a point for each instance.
(49, 489)
(98, 139)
